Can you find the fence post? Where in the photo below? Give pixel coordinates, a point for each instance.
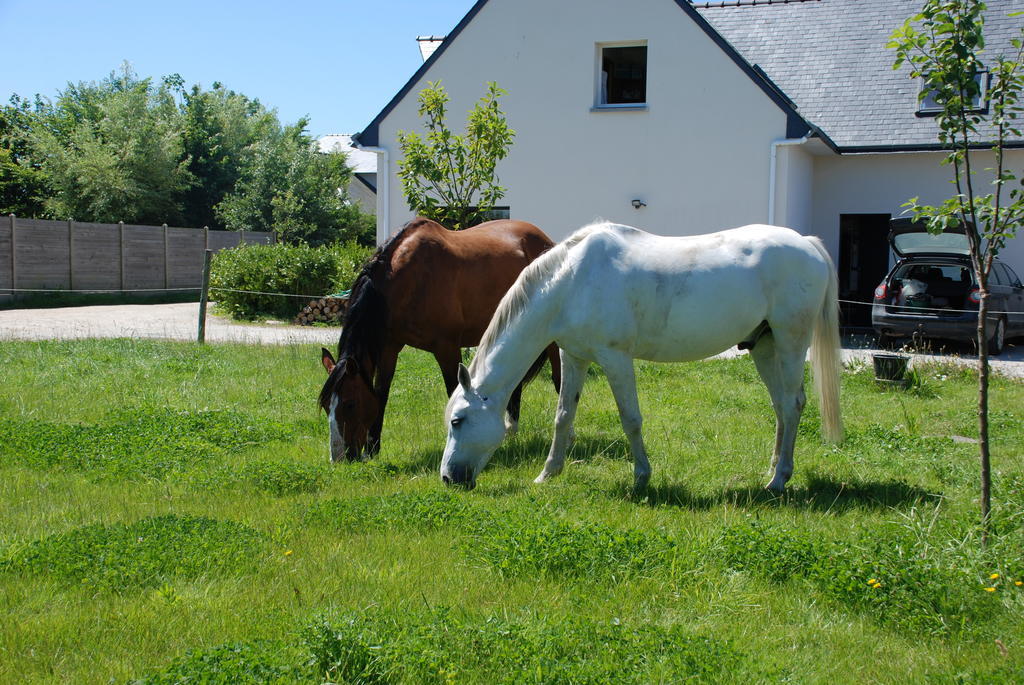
(14, 259)
(120, 259)
(71, 254)
(166, 280)
(204, 296)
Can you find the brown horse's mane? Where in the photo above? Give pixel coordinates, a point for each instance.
(362, 329)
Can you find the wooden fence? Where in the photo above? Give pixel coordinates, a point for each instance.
(41, 255)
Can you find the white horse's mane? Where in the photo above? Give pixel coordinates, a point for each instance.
(537, 274)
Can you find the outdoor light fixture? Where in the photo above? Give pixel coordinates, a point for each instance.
(638, 203)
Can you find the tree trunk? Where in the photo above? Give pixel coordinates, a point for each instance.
(983, 444)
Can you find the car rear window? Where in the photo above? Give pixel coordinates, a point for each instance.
(935, 272)
(920, 242)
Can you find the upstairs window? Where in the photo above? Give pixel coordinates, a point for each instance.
(622, 75)
(928, 105)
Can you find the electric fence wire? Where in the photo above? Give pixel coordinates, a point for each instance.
(901, 309)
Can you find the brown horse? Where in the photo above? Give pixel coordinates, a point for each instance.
(430, 288)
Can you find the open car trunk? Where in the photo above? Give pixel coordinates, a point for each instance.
(931, 289)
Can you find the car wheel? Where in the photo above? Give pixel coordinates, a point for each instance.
(998, 340)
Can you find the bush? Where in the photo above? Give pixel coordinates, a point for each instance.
(284, 269)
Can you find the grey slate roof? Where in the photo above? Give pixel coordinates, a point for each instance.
(829, 57)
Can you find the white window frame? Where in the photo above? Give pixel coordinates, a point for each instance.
(599, 85)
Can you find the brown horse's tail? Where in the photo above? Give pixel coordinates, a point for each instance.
(550, 352)
(535, 368)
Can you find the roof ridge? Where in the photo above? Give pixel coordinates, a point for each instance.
(716, 4)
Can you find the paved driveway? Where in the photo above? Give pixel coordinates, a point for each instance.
(180, 322)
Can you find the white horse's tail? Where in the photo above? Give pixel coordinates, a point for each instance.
(825, 357)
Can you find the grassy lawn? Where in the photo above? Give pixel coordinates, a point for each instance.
(168, 515)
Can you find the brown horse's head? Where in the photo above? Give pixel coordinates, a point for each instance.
(351, 405)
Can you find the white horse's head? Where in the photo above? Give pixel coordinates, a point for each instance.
(476, 427)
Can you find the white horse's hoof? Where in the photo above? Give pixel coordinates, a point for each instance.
(546, 475)
(511, 427)
(776, 488)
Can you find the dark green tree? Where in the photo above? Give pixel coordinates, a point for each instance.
(220, 130)
(127, 149)
(22, 183)
(112, 151)
(288, 186)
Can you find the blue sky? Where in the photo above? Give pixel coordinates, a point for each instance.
(338, 62)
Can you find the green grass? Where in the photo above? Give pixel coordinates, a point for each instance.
(168, 515)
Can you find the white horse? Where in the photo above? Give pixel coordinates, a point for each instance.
(612, 293)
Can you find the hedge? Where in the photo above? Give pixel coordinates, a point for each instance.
(283, 269)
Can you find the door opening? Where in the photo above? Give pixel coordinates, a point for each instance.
(863, 263)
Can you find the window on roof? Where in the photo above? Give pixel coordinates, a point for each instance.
(930, 105)
(622, 75)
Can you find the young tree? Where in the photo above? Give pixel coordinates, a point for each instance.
(451, 178)
(944, 45)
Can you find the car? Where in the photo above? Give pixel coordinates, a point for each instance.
(932, 290)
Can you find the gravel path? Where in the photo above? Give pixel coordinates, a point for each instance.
(180, 322)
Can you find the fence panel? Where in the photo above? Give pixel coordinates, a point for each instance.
(185, 248)
(220, 240)
(144, 258)
(6, 277)
(38, 254)
(41, 254)
(95, 256)
(261, 238)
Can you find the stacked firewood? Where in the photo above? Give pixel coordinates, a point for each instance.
(326, 310)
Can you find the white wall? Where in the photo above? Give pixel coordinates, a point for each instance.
(880, 183)
(365, 198)
(794, 188)
(698, 156)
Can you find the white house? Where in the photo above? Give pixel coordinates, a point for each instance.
(362, 189)
(428, 45)
(710, 114)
